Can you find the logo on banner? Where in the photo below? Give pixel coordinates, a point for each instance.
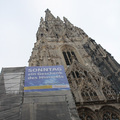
(45, 78)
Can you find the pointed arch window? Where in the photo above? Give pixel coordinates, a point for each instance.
(68, 55)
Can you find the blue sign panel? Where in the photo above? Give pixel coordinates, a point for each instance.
(45, 78)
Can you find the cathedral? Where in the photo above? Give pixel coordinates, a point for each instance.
(93, 76)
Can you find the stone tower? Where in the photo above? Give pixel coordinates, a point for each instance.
(93, 74)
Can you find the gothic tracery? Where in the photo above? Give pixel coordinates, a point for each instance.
(86, 114)
(88, 94)
(109, 113)
(109, 92)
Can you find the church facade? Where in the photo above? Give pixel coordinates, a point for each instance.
(93, 74)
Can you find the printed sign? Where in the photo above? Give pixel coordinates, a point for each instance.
(45, 78)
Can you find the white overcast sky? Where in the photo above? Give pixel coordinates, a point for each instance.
(19, 21)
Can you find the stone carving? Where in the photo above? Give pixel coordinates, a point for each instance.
(93, 74)
(59, 30)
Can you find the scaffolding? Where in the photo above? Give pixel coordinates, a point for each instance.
(15, 104)
(11, 93)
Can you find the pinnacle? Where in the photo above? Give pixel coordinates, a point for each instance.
(47, 10)
(41, 21)
(49, 16)
(67, 21)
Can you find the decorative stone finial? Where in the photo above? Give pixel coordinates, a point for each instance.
(41, 20)
(58, 18)
(48, 11)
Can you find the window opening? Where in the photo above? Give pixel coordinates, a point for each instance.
(73, 74)
(41, 35)
(66, 58)
(77, 74)
(57, 35)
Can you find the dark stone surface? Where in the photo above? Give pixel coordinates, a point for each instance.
(107, 65)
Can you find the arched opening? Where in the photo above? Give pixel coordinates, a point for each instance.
(69, 54)
(109, 113)
(86, 114)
